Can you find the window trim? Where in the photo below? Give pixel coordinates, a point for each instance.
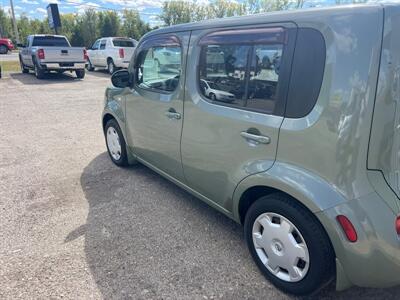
(156, 42)
(288, 48)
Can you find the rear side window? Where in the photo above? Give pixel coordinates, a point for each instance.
(307, 73)
(123, 43)
(242, 68)
(158, 64)
(50, 41)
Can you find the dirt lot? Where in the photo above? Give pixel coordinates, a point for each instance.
(72, 225)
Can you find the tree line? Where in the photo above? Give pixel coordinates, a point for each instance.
(80, 29)
(84, 29)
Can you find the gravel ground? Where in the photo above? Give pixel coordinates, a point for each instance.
(73, 225)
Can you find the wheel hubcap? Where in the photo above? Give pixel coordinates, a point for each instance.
(114, 146)
(281, 247)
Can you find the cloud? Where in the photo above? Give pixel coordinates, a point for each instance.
(51, 1)
(41, 10)
(136, 3)
(31, 2)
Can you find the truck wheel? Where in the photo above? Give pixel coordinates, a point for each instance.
(3, 49)
(39, 73)
(80, 73)
(110, 66)
(23, 68)
(89, 66)
(115, 142)
(289, 245)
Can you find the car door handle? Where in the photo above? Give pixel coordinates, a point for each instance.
(262, 139)
(172, 114)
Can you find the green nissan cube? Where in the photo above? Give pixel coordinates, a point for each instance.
(288, 123)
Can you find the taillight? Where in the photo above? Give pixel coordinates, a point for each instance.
(398, 225)
(40, 53)
(85, 56)
(121, 53)
(348, 228)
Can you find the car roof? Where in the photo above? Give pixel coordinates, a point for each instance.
(262, 18)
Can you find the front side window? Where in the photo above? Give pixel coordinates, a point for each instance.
(103, 44)
(158, 67)
(96, 45)
(242, 69)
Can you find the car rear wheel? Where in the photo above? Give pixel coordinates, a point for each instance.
(110, 66)
(80, 73)
(39, 73)
(289, 245)
(3, 49)
(115, 142)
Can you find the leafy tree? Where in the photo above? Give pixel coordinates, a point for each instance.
(5, 25)
(109, 23)
(133, 26)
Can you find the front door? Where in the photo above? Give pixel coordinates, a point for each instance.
(234, 106)
(154, 109)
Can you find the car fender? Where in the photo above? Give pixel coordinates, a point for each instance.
(115, 107)
(310, 189)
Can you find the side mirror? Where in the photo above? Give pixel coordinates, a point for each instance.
(121, 79)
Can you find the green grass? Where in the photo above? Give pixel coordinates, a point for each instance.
(10, 66)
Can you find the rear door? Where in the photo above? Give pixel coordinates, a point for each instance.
(234, 105)
(154, 108)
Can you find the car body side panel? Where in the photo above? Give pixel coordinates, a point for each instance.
(332, 141)
(385, 132)
(373, 261)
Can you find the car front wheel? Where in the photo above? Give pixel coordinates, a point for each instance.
(289, 245)
(115, 142)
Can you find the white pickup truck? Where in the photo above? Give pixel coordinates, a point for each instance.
(46, 53)
(111, 53)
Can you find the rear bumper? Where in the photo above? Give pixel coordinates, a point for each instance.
(374, 260)
(121, 64)
(63, 66)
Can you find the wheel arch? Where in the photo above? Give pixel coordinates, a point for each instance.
(310, 190)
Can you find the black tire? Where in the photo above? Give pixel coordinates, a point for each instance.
(123, 160)
(321, 268)
(110, 66)
(89, 66)
(24, 69)
(39, 72)
(3, 49)
(213, 97)
(80, 73)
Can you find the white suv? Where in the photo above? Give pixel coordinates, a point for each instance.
(111, 53)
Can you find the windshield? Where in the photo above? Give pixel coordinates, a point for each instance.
(123, 43)
(50, 41)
